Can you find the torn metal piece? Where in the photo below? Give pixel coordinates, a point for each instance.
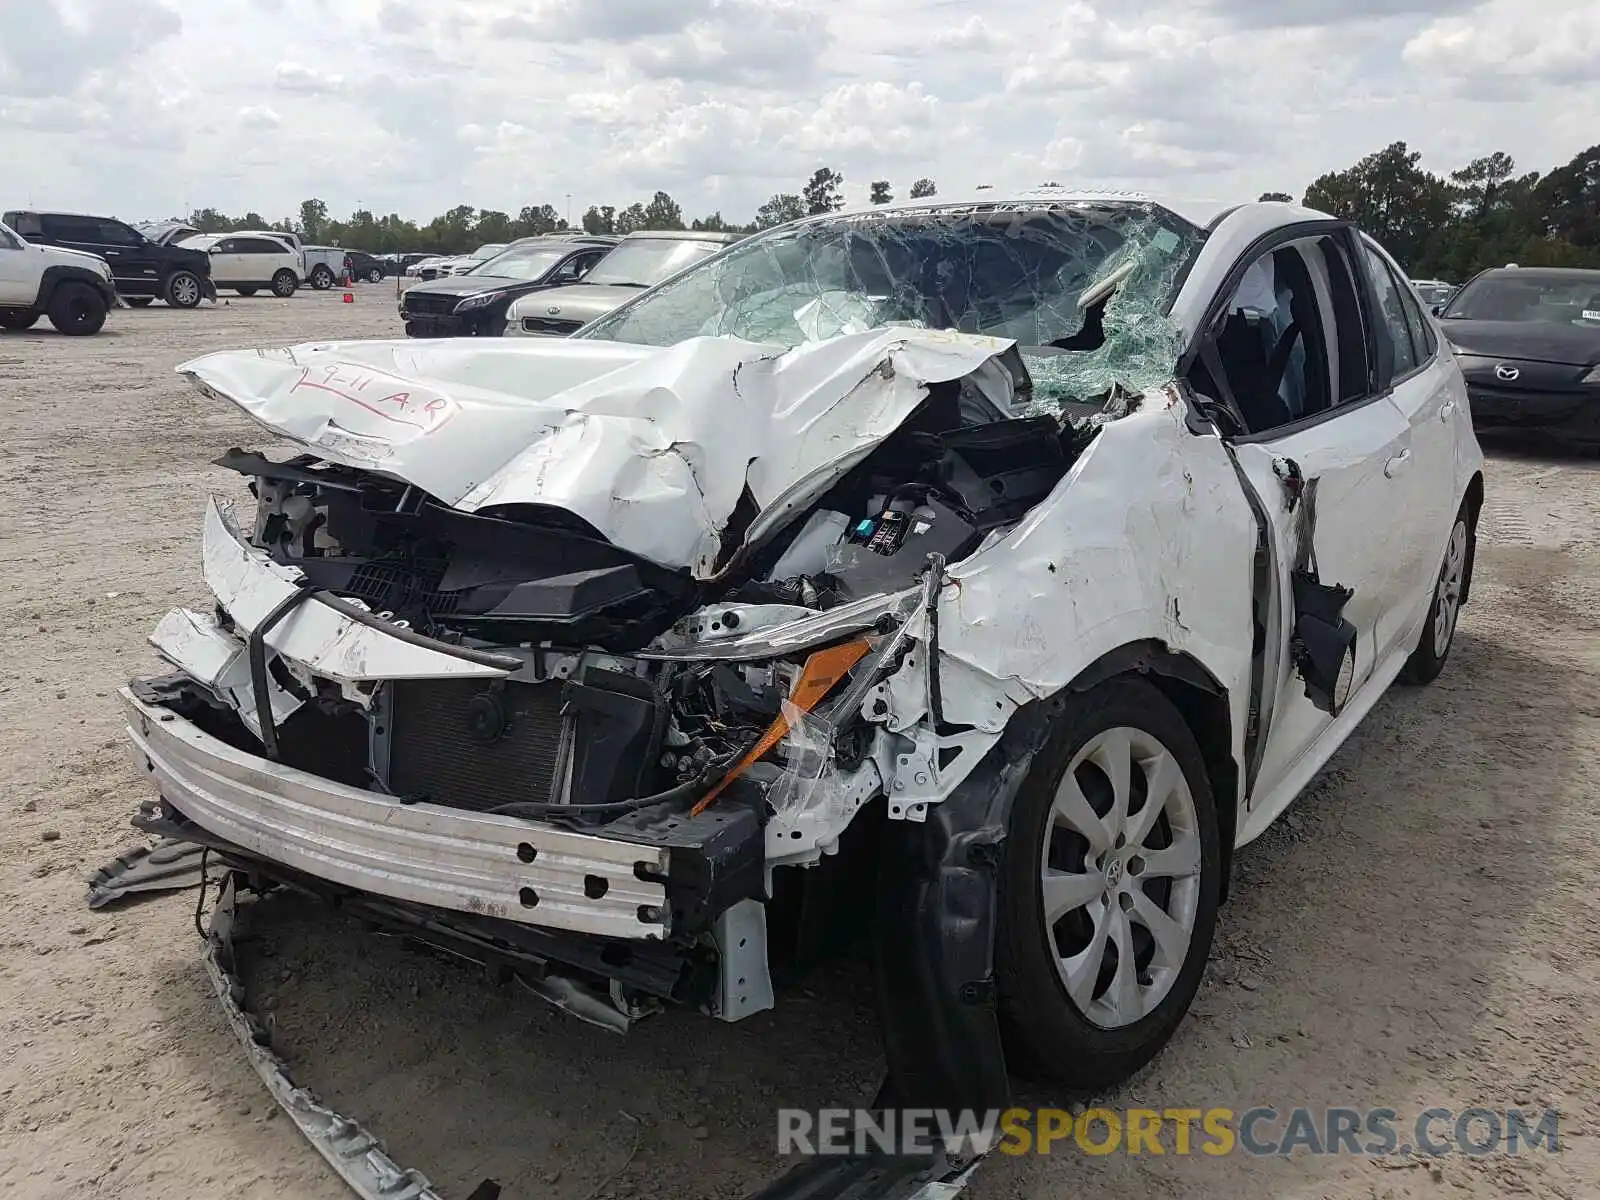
(357, 1156)
(872, 1177)
(169, 865)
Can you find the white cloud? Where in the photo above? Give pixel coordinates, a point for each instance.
(293, 77)
(134, 107)
(259, 116)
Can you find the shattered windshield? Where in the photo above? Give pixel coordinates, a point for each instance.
(1082, 287)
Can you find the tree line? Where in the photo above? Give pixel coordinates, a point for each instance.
(1484, 214)
(464, 227)
(1446, 226)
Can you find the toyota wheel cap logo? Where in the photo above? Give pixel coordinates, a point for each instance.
(1505, 372)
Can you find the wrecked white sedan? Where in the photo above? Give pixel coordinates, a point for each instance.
(967, 580)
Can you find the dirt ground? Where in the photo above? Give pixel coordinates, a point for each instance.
(1422, 930)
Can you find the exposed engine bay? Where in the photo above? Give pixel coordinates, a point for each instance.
(612, 713)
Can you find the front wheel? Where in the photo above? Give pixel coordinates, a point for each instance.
(77, 310)
(1439, 631)
(1108, 889)
(375, 275)
(284, 283)
(321, 278)
(18, 320)
(182, 289)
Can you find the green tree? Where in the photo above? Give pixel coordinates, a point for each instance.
(492, 226)
(712, 224)
(785, 206)
(1275, 197)
(663, 212)
(602, 219)
(533, 221)
(632, 218)
(880, 192)
(1568, 199)
(922, 189)
(822, 194)
(313, 219)
(1391, 197)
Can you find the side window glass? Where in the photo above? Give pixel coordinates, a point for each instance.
(1391, 327)
(1422, 339)
(28, 225)
(115, 233)
(1270, 347)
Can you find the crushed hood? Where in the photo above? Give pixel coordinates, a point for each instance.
(652, 447)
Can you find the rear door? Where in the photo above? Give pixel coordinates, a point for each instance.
(1429, 394)
(261, 258)
(1289, 352)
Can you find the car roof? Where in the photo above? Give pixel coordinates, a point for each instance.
(682, 235)
(1546, 274)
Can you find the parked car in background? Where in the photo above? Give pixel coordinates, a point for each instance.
(455, 264)
(327, 265)
(368, 267)
(639, 261)
(166, 233)
(402, 264)
(474, 303)
(249, 263)
(1433, 291)
(1528, 341)
(71, 287)
(143, 270)
(1048, 549)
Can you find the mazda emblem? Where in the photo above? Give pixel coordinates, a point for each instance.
(1506, 372)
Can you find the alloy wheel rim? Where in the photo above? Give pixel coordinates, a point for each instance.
(1448, 593)
(1120, 876)
(185, 290)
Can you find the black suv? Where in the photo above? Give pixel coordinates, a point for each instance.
(474, 304)
(142, 269)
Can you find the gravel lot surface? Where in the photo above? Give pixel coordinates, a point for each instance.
(1422, 930)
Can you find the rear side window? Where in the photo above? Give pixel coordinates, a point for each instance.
(1391, 329)
(1422, 338)
(115, 233)
(72, 229)
(26, 224)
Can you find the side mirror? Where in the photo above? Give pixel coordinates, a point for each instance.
(1437, 310)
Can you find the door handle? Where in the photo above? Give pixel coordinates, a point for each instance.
(1447, 410)
(1395, 465)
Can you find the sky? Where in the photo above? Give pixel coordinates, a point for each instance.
(146, 109)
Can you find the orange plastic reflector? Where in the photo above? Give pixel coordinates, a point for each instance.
(822, 672)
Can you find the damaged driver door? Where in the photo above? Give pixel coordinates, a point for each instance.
(1288, 354)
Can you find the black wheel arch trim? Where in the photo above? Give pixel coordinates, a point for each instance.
(55, 276)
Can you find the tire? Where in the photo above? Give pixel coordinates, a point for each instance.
(321, 278)
(1439, 630)
(76, 309)
(138, 301)
(18, 320)
(375, 275)
(284, 284)
(1086, 1043)
(246, 291)
(182, 289)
